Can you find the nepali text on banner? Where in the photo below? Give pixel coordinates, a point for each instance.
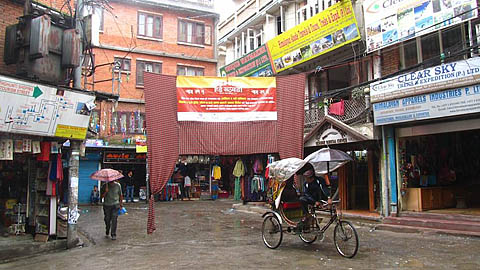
(226, 99)
(322, 33)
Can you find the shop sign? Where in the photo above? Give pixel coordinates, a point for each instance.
(124, 157)
(42, 110)
(322, 33)
(333, 136)
(428, 80)
(141, 146)
(226, 99)
(254, 64)
(450, 102)
(94, 143)
(390, 21)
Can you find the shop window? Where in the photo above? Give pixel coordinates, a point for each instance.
(410, 57)
(191, 32)
(147, 66)
(431, 50)
(95, 121)
(123, 64)
(128, 123)
(150, 25)
(190, 71)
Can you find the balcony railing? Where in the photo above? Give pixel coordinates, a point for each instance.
(355, 111)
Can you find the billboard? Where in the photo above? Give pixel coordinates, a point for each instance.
(322, 33)
(388, 22)
(445, 103)
(455, 74)
(43, 110)
(255, 64)
(226, 99)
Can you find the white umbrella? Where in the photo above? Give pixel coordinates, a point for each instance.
(283, 169)
(326, 160)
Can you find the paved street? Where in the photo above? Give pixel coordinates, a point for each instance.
(207, 235)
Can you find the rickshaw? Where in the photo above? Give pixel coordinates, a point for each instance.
(285, 215)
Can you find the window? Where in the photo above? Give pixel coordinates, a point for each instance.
(430, 50)
(191, 32)
(410, 53)
(122, 64)
(279, 25)
(150, 25)
(148, 67)
(452, 42)
(190, 71)
(99, 11)
(127, 122)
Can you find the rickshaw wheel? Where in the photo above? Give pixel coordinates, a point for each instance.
(272, 233)
(308, 238)
(345, 238)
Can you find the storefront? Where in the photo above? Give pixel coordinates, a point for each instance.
(219, 176)
(431, 138)
(358, 180)
(34, 124)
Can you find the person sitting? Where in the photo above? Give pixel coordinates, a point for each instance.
(314, 188)
(95, 195)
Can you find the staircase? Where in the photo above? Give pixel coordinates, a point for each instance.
(434, 223)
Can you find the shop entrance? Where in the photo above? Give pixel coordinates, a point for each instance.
(440, 173)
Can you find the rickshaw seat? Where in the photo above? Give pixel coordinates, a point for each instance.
(291, 205)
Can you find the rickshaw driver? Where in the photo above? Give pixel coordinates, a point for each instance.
(314, 188)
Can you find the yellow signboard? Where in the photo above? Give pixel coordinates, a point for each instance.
(324, 32)
(141, 148)
(71, 132)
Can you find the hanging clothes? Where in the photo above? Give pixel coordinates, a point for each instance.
(216, 172)
(258, 166)
(45, 148)
(337, 108)
(239, 169)
(237, 195)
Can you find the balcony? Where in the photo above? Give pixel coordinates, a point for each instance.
(198, 5)
(356, 112)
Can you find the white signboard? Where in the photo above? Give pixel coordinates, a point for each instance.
(456, 74)
(390, 21)
(30, 108)
(450, 102)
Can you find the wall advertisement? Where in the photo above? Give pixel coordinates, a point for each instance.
(226, 99)
(42, 110)
(445, 103)
(455, 74)
(388, 22)
(322, 33)
(255, 64)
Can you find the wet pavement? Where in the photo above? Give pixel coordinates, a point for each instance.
(209, 235)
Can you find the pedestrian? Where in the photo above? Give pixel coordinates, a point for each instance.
(178, 177)
(113, 201)
(95, 195)
(187, 184)
(130, 186)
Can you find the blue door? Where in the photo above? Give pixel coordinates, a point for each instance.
(88, 165)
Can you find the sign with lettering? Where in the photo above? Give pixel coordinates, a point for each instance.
(445, 103)
(390, 21)
(124, 157)
(35, 109)
(254, 64)
(328, 30)
(456, 74)
(226, 99)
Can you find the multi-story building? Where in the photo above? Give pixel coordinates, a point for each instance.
(170, 37)
(323, 39)
(416, 62)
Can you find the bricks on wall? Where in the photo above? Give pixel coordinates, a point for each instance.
(390, 60)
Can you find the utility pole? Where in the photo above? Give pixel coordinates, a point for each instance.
(77, 74)
(72, 236)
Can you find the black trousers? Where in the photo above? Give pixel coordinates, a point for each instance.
(305, 201)
(187, 192)
(110, 213)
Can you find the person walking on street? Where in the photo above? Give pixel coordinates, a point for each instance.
(130, 186)
(113, 201)
(187, 184)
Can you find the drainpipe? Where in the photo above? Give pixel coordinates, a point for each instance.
(385, 174)
(77, 74)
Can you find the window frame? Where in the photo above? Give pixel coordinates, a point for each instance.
(195, 39)
(156, 33)
(123, 60)
(143, 62)
(187, 68)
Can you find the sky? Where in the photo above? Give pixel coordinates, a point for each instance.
(224, 8)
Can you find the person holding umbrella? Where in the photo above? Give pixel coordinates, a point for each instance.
(112, 194)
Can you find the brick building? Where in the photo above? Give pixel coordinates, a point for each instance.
(171, 37)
